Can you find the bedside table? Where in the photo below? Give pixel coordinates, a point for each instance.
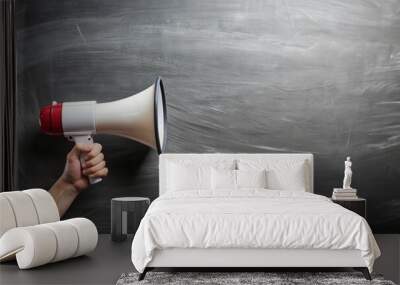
(358, 206)
(119, 215)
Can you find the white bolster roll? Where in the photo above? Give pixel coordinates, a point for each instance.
(7, 218)
(33, 246)
(87, 234)
(67, 240)
(23, 208)
(41, 244)
(45, 205)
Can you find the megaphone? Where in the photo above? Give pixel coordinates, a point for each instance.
(141, 117)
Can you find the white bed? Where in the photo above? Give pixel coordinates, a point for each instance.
(248, 227)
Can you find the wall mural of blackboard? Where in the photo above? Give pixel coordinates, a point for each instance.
(241, 76)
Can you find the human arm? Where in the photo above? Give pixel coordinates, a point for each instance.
(74, 178)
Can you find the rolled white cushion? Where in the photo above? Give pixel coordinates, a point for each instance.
(87, 235)
(23, 208)
(7, 218)
(33, 246)
(45, 205)
(67, 240)
(41, 244)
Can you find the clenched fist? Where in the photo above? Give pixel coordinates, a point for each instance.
(75, 176)
(94, 165)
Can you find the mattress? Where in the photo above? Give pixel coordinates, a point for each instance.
(262, 219)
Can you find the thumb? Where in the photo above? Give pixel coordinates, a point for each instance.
(80, 148)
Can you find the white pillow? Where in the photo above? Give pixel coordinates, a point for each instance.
(281, 174)
(251, 178)
(223, 179)
(231, 180)
(186, 175)
(183, 178)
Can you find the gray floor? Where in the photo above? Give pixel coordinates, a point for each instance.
(103, 266)
(389, 262)
(110, 260)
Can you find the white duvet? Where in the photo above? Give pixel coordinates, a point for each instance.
(250, 219)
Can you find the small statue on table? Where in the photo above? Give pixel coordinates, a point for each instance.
(348, 173)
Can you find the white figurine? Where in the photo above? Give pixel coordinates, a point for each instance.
(347, 174)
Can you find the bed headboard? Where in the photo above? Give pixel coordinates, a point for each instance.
(170, 157)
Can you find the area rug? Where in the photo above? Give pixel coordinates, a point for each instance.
(268, 278)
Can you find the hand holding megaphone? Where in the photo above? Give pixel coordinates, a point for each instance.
(80, 171)
(141, 117)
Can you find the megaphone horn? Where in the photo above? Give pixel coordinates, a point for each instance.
(141, 117)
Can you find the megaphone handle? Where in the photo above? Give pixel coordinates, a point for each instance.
(85, 139)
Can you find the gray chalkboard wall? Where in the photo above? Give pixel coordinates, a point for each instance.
(241, 76)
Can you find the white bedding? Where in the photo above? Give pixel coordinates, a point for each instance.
(250, 219)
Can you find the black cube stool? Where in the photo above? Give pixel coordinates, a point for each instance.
(119, 215)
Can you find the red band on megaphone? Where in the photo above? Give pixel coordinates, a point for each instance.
(51, 119)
